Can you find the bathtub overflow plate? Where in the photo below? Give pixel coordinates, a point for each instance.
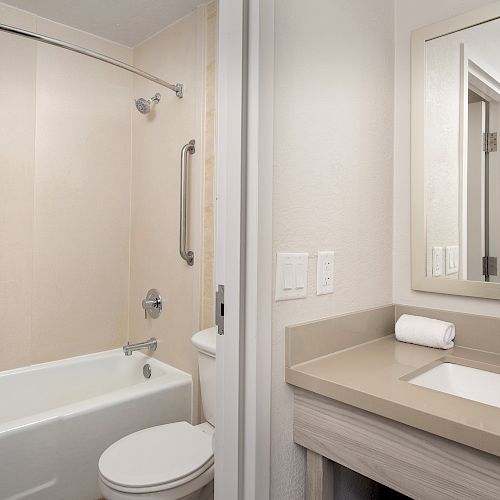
(146, 370)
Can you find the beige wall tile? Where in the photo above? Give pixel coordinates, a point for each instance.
(82, 202)
(208, 277)
(17, 157)
(157, 141)
(180, 54)
(73, 249)
(65, 188)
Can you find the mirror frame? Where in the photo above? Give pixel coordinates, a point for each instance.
(420, 281)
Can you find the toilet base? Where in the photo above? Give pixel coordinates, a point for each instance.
(206, 493)
(203, 486)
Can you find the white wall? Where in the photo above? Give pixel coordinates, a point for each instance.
(410, 15)
(332, 175)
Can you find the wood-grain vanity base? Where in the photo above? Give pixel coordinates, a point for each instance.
(416, 463)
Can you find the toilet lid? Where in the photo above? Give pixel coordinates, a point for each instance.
(157, 456)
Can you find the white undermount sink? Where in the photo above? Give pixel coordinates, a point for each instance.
(463, 381)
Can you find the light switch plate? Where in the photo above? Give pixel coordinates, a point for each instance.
(324, 273)
(437, 261)
(291, 276)
(452, 259)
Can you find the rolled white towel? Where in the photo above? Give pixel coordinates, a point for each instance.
(425, 331)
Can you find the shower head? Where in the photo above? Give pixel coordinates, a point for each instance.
(144, 105)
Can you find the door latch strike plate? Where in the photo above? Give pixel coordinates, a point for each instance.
(219, 309)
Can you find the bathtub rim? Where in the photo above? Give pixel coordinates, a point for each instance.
(100, 402)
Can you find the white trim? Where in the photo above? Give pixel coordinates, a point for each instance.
(259, 279)
(245, 161)
(463, 155)
(230, 63)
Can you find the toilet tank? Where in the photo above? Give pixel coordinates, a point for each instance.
(204, 342)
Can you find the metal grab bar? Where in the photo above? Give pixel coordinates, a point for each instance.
(188, 256)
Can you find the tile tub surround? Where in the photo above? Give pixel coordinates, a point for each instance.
(183, 50)
(367, 369)
(77, 231)
(62, 313)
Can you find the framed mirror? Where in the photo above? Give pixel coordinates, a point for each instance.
(455, 158)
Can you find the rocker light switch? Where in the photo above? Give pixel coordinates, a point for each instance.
(288, 277)
(452, 260)
(291, 276)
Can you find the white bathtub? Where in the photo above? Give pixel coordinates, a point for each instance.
(57, 418)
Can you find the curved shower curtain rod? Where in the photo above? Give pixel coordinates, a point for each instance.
(177, 88)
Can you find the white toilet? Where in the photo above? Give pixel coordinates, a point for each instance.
(172, 461)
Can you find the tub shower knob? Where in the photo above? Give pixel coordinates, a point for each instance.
(152, 304)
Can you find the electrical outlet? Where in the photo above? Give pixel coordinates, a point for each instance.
(324, 273)
(437, 261)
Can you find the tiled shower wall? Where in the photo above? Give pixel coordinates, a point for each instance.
(82, 237)
(64, 216)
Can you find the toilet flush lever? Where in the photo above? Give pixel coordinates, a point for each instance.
(152, 304)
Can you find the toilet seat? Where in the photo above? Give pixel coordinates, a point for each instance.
(157, 459)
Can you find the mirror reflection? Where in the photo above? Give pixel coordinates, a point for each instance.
(462, 180)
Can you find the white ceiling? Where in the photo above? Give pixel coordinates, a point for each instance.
(128, 22)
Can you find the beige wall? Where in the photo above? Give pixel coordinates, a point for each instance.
(411, 15)
(181, 52)
(208, 275)
(332, 176)
(157, 140)
(17, 164)
(81, 200)
(90, 192)
(65, 169)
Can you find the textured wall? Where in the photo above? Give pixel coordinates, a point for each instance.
(332, 176)
(411, 15)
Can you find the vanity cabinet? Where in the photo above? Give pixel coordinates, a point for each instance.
(418, 464)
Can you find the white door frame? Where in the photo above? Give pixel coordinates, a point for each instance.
(244, 167)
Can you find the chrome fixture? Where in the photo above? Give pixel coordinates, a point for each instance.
(146, 370)
(144, 105)
(152, 304)
(187, 255)
(177, 88)
(150, 344)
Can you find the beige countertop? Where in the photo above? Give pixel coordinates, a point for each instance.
(371, 376)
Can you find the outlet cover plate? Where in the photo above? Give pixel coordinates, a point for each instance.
(324, 272)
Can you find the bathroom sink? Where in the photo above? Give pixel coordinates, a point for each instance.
(463, 381)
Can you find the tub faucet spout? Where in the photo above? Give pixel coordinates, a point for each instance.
(150, 344)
